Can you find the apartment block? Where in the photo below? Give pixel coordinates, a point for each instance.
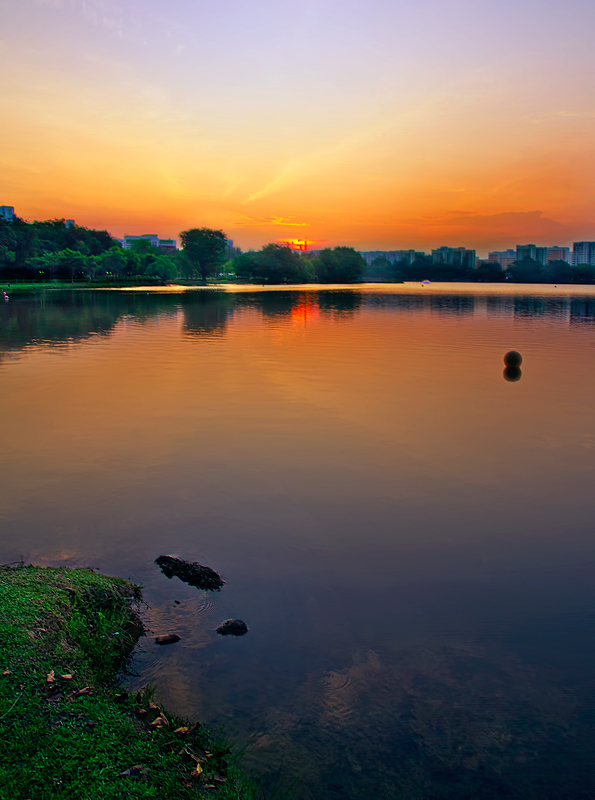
(167, 245)
(392, 256)
(502, 257)
(7, 212)
(455, 257)
(558, 254)
(538, 254)
(583, 253)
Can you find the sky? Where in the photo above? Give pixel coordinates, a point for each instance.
(377, 124)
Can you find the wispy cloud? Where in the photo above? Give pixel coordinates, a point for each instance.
(104, 13)
(508, 222)
(284, 222)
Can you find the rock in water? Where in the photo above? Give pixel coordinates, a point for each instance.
(169, 638)
(191, 572)
(232, 627)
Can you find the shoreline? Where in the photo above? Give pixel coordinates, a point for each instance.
(65, 636)
(408, 287)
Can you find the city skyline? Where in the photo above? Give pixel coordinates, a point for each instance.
(371, 125)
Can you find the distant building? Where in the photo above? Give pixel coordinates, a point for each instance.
(558, 254)
(583, 253)
(166, 245)
(392, 256)
(502, 257)
(538, 254)
(7, 212)
(69, 223)
(454, 257)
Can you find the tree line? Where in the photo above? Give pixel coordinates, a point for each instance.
(52, 250)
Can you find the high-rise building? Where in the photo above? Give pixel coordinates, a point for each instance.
(583, 253)
(538, 254)
(454, 257)
(558, 254)
(392, 256)
(7, 212)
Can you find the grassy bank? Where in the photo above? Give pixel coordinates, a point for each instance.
(22, 287)
(66, 729)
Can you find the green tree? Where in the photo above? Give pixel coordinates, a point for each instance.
(161, 266)
(527, 270)
(245, 266)
(113, 262)
(341, 265)
(203, 252)
(143, 247)
(278, 263)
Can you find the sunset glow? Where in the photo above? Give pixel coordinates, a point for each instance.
(376, 125)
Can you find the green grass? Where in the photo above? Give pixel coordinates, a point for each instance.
(13, 287)
(54, 744)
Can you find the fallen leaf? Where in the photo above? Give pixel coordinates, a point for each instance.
(181, 731)
(138, 771)
(80, 692)
(141, 713)
(157, 723)
(155, 708)
(196, 772)
(66, 677)
(219, 778)
(209, 786)
(6, 672)
(50, 677)
(120, 698)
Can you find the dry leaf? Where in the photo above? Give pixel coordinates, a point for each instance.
(138, 771)
(66, 677)
(155, 708)
(6, 672)
(181, 731)
(219, 778)
(196, 772)
(141, 713)
(50, 677)
(157, 723)
(80, 692)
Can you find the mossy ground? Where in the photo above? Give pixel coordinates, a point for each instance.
(58, 744)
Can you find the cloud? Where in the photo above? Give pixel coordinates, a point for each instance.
(246, 221)
(519, 223)
(103, 13)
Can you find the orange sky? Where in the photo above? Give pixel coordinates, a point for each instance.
(375, 125)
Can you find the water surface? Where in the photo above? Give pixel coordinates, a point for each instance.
(409, 536)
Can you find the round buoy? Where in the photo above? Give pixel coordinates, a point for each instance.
(513, 359)
(512, 374)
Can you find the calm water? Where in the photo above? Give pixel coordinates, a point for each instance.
(410, 538)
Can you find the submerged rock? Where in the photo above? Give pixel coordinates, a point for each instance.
(232, 627)
(191, 572)
(169, 638)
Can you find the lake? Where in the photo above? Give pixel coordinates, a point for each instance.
(409, 536)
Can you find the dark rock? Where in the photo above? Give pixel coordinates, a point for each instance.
(169, 638)
(191, 572)
(232, 627)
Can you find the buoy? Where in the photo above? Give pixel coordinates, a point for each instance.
(513, 359)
